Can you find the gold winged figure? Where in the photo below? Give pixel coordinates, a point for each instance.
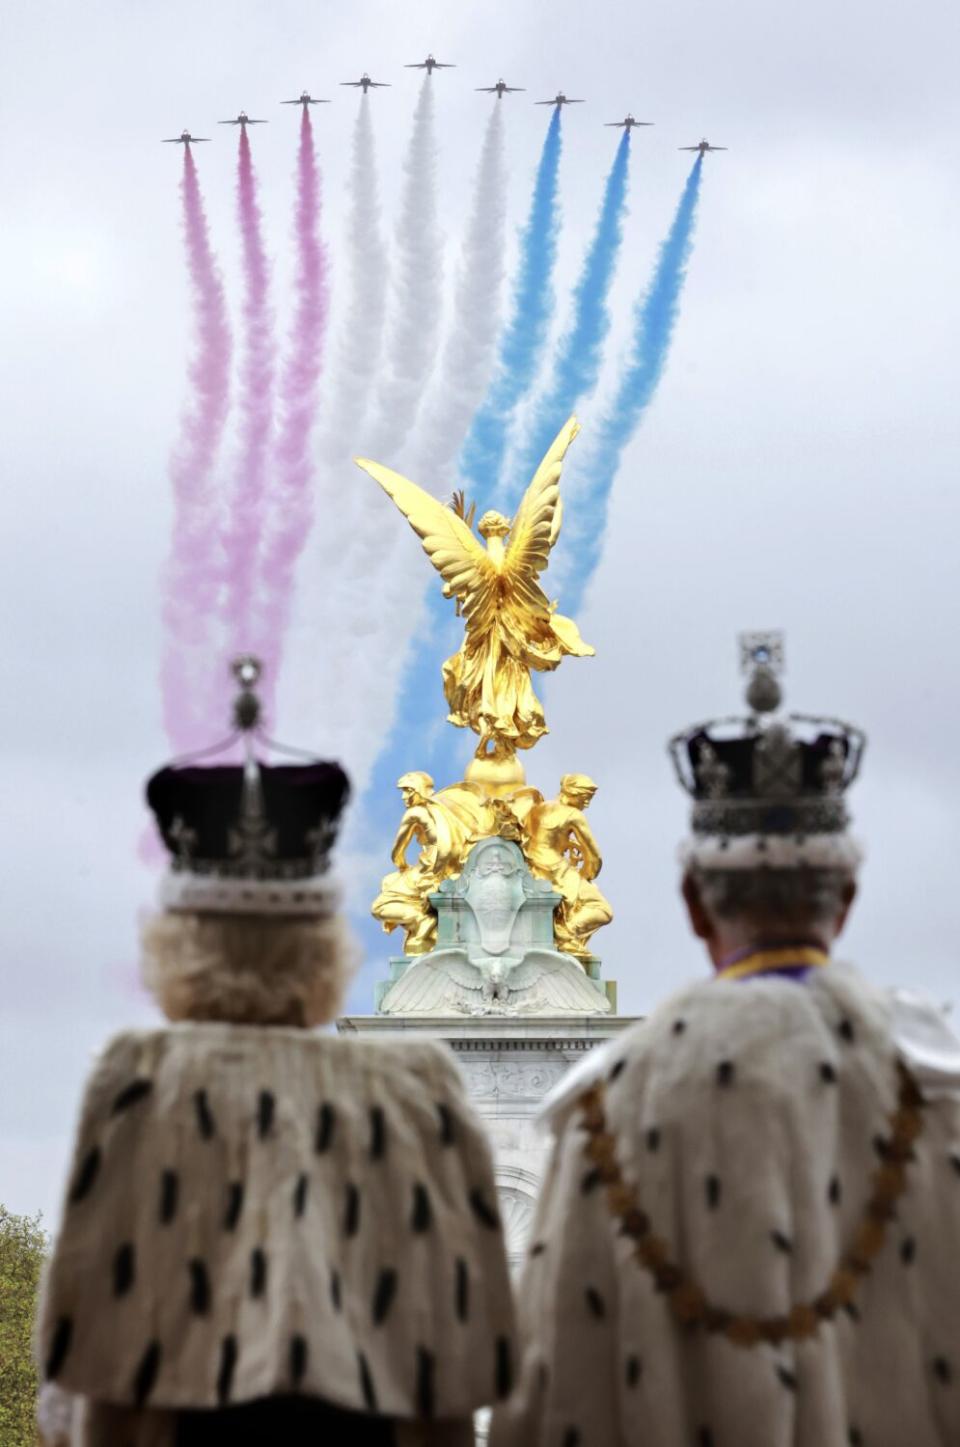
(512, 628)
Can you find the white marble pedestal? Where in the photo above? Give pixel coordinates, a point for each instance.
(509, 1063)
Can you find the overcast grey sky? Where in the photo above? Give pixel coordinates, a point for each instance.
(798, 469)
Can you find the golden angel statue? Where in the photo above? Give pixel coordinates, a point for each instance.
(511, 626)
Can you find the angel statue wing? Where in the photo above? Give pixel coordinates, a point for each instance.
(460, 558)
(536, 526)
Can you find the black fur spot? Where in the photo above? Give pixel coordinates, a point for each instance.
(130, 1094)
(483, 1211)
(59, 1347)
(422, 1214)
(571, 1437)
(326, 1123)
(633, 1371)
(704, 1437)
(855, 1437)
(300, 1195)
(908, 1251)
(86, 1175)
(228, 1364)
(725, 1072)
(145, 1377)
(336, 1295)
(206, 1124)
(679, 1026)
(266, 1110)
(384, 1294)
(882, 1146)
(538, 1248)
(199, 1287)
(788, 1378)
(234, 1205)
(258, 1271)
(852, 1310)
(462, 1292)
(781, 1241)
(942, 1370)
(503, 1370)
(378, 1133)
(169, 1194)
(617, 1070)
(827, 1073)
(595, 1303)
(955, 1161)
(298, 1359)
(713, 1189)
(351, 1210)
(653, 1138)
(124, 1269)
(447, 1131)
(426, 1366)
(366, 1383)
(834, 1192)
(846, 1032)
(591, 1181)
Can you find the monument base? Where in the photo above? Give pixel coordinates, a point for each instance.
(509, 1064)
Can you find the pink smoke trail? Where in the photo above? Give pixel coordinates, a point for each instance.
(243, 525)
(290, 508)
(190, 580)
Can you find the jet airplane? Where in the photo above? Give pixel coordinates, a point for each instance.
(305, 99)
(365, 82)
(559, 101)
(429, 65)
(243, 120)
(184, 139)
(500, 89)
(703, 148)
(628, 123)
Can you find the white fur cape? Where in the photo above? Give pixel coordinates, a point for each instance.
(254, 1210)
(748, 1118)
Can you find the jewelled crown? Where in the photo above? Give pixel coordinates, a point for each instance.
(768, 784)
(250, 837)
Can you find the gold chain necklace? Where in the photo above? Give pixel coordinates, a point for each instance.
(689, 1304)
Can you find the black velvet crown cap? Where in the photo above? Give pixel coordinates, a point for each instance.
(769, 780)
(258, 821)
(768, 773)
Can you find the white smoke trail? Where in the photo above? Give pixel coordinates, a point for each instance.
(360, 332)
(307, 697)
(468, 354)
(417, 300)
(360, 656)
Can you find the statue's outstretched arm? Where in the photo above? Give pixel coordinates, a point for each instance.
(405, 834)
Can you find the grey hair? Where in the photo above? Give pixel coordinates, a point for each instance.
(247, 969)
(795, 896)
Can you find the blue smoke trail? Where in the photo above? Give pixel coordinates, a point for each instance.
(521, 348)
(655, 317)
(577, 365)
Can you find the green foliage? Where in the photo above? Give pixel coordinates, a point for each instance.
(23, 1244)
